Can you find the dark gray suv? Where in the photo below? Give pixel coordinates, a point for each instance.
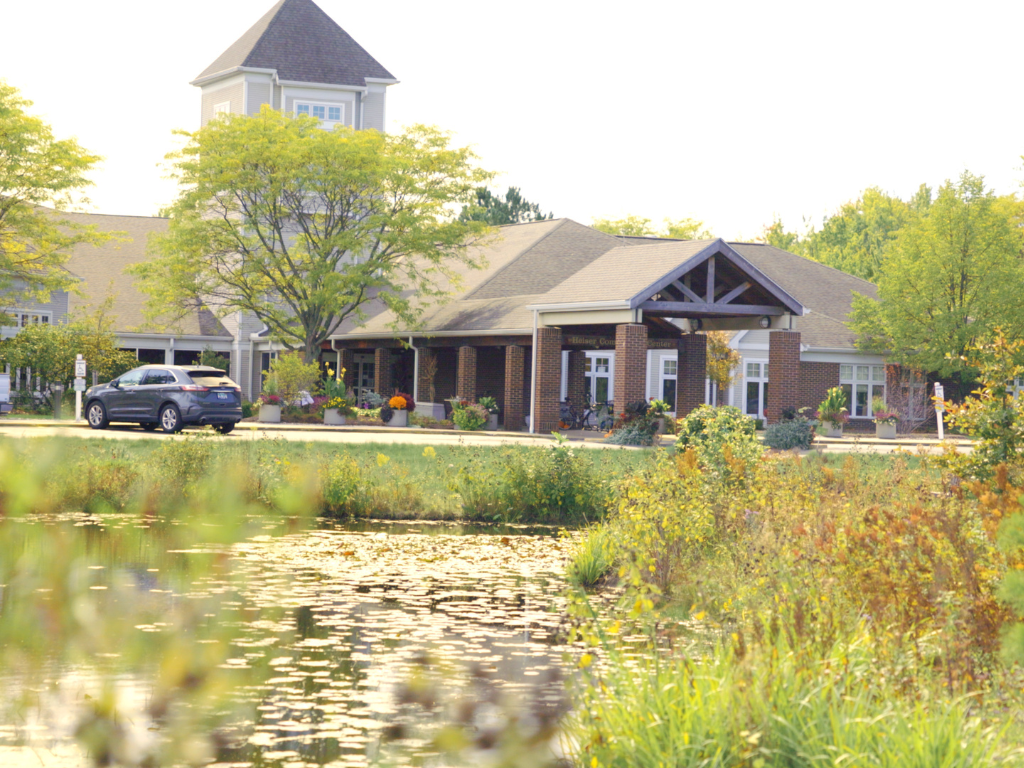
(167, 397)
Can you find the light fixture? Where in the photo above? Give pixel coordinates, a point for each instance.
(765, 322)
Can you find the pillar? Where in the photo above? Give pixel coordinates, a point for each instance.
(783, 373)
(630, 364)
(465, 378)
(549, 380)
(382, 372)
(691, 371)
(576, 386)
(515, 377)
(347, 360)
(426, 375)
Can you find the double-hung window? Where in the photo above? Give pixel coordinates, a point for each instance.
(329, 115)
(25, 319)
(669, 375)
(755, 394)
(862, 383)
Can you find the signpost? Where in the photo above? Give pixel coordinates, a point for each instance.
(79, 386)
(940, 407)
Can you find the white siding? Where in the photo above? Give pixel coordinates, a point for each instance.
(259, 94)
(373, 107)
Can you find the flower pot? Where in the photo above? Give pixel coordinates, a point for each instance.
(431, 410)
(270, 414)
(659, 425)
(333, 417)
(885, 430)
(492, 422)
(399, 419)
(833, 430)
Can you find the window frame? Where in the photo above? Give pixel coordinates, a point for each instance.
(221, 108)
(874, 381)
(21, 317)
(761, 380)
(328, 106)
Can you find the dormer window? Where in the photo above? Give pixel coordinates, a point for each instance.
(223, 108)
(329, 115)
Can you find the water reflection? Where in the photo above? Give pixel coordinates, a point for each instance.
(353, 642)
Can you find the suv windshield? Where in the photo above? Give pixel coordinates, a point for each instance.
(211, 379)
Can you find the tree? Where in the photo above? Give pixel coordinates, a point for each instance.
(39, 177)
(498, 211)
(302, 227)
(952, 275)
(50, 352)
(723, 361)
(637, 226)
(214, 359)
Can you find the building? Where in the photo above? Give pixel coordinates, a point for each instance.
(561, 311)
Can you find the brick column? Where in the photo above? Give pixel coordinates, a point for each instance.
(576, 386)
(465, 378)
(783, 373)
(630, 364)
(515, 377)
(423, 381)
(691, 372)
(382, 372)
(347, 360)
(549, 380)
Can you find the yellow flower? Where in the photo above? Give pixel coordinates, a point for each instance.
(382, 459)
(429, 452)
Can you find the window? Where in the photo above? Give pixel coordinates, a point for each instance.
(328, 114)
(25, 319)
(755, 389)
(160, 376)
(862, 383)
(132, 378)
(597, 371)
(669, 370)
(223, 107)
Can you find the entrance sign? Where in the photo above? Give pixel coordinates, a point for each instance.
(940, 408)
(79, 386)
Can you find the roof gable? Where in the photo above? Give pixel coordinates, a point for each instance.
(303, 44)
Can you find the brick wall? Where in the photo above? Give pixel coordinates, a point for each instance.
(382, 372)
(549, 379)
(815, 381)
(630, 364)
(576, 386)
(465, 382)
(516, 385)
(783, 372)
(447, 368)
(691, 372)
(490, 374)
(347, 360)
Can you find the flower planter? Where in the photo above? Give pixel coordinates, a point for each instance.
(492, 422)
(431, 410)
(333, 417)
(832, 430)
(399, 419)
(270, 414)
(885, 431)
(659, 425)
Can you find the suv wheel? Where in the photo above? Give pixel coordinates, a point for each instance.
(170, 419)
(97, 416)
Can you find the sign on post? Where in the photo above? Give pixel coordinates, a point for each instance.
(940, 408)
(79, 386)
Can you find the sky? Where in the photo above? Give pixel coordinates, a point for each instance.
(734, 113)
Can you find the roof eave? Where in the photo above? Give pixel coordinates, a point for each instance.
(204, 79)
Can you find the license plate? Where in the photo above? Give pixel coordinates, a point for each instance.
(222, 395)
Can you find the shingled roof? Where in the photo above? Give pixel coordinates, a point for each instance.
(303, 44)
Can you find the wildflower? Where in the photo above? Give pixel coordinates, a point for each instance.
(382, 459)
(429, 452)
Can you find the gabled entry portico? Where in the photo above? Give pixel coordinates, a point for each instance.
(666, 291)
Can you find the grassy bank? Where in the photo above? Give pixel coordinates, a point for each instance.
(518, 484)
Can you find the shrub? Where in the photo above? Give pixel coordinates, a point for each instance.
(293, 376)
(640, 432)
(471, 417)
(719, 436)
(214, 359)
(591, 559)
(785, 435)
(833, 408)
(339, 480)
(248, 409)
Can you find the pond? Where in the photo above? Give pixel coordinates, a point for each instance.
(356, 643)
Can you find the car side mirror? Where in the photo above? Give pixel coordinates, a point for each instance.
(115, 384)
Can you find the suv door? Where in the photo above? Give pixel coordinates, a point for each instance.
(123, 401)
(154, 391)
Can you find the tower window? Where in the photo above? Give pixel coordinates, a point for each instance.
(224, 106)
(327, 114)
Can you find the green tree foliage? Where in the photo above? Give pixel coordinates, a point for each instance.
(637, 226)
(953, 275)
(51, 350)
(857, 238)
(39, 177)
(497, 210)
(723, 361)
(302, 226)
(293, 376)
(214, 359)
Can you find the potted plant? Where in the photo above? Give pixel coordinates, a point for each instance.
(400, 406)
(492, 411)
(428, 371)
(657, 410)
(338, 407)
(832, 412)
(467, 416)
(270, 402)
(885, 420)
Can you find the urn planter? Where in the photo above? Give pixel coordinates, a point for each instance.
(432, 410)
(399, 419)
(270, 414)
(333, 417)
(832, 430)
(492, 422)
(885, 430)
